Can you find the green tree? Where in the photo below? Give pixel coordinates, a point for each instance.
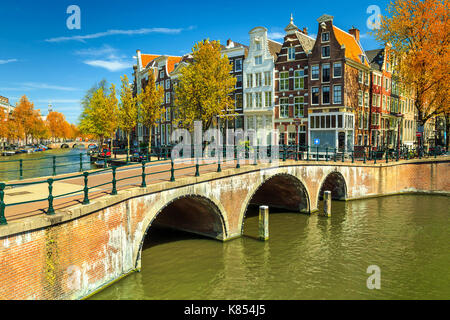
(204, 88)
(150, 105)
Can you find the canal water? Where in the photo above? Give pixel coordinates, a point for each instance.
(307, 257)
(40, 164)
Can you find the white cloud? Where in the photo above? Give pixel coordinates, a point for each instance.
(27, 86)
(114, 65)
(8, 61)
(118, 32)
(95, 52)
(275, 35)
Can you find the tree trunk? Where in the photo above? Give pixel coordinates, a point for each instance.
(128, 138)
(150, 141)
(447, 130)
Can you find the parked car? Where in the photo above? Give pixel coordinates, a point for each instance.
(104, 153)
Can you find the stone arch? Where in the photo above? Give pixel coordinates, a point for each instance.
(211, 209)
(334, 182)
(65, 146)
(290, 194)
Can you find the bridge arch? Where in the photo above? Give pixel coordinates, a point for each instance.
(65, 146)
(281, 191)
(191, 213)
(334, 182)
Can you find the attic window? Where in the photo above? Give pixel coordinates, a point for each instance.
(258, 45)
(325, 36)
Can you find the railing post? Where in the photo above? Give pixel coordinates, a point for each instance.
(197, 168)
(307, 153)
(3, 221)
(326, 157)
(317, 154)
(143, 184)
(172, 172)
(81, 162)
(51, 210)
(54, 165)
(114, 182)
(86, 189)
(21, 168)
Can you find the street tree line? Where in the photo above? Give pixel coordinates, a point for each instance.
(25, 124)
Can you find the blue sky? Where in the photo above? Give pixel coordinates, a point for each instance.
(42, 58)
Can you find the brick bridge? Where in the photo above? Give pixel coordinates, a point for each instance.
(85, 247)
(71, 145)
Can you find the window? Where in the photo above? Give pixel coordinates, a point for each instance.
(315, 73)
(249, 100)
(315, 95)
(258, 60)
(360, 98)
(258, 79)
(337, 70)
(168, 97)
(326, 73)
(337, 95)
(167, 84)
(298, 107)
(360, 76)
(238, 65)
(299, 81)
(291, 53)
(267, 78)
(249, 80)
(366, 99)
(239, 81)
(258, 97)
(326, 52)
(325, 94)
(284, 108)
(325, 37)
(238, 101)
(161, 74)
(268, 99)
(284, 81)
(367, 79)
(258, 45)
(366, 120)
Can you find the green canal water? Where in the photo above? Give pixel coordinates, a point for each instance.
(307, 257)
(40, 164)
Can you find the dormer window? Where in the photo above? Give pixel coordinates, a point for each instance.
(325, 37)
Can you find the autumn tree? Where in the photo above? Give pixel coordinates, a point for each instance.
(204, 88)
(128, 110)
(25, 118)
(57, 125)
(3, 126)
(150, 105)
(418, 32)
(99, 115)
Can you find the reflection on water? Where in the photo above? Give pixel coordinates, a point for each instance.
(306, 257)
(40, 164)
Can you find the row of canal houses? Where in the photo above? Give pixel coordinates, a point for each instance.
(326, 91)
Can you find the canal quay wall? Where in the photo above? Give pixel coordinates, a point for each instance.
(82, 249)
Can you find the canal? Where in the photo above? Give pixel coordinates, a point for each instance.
(40, 164)
(307, 257)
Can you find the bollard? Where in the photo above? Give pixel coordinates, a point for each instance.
(197, 169)
(172, 172)
(143, 184)
(114, 182)
(264, 223)
(86, 189)
(51, 210)
(21, 168)
(3, 221)
(327, 204)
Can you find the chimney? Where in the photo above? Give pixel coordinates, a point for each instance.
(305, 31)
(228, 42)
(355, 32)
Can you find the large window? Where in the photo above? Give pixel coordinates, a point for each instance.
(326, 52)
(360, 98)
(315, 72)
(337, 94)
(238, 65)
(238, 101)
(298, 107)
(299, 81)
(360, 76)
(326, 73)
(258, 60)
(325, 36)
(258, 78)
(291, 53)
(267, 78)
(249, 101)
(168, 84)
(284, 108)
(366, 99)
(325, 94)
(284, 81)
(337, 70)
(249, 80)
(268, 99)
(258, 98)
(315, 96)
(239, 81)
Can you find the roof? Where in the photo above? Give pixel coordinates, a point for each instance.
(171, 61)
(274, 48)
(147, 58)
(306, 41)
(376, 58)
(353, 49)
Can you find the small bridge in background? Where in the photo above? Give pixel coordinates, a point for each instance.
(72, 145)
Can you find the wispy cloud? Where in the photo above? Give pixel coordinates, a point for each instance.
(113, 66)
(83, 38)
(275, 35)
(8, 61)
(105, 57)
(27, 86)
